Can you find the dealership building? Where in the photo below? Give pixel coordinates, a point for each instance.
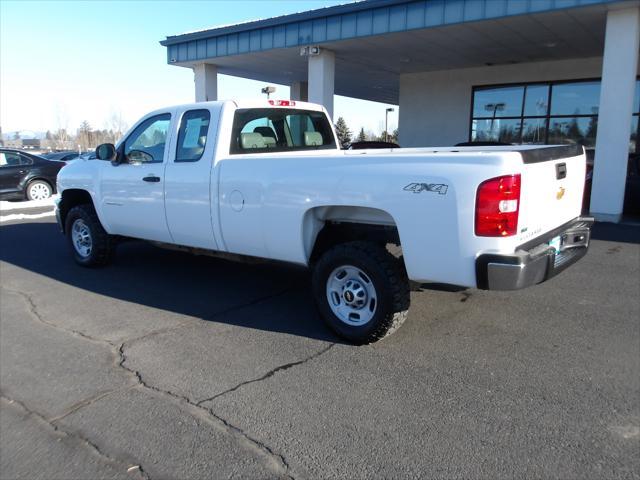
(517, 71)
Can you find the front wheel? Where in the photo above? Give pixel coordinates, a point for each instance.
(90, 244)
(362, 291)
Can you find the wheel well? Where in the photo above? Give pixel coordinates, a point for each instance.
(71, 198)
(335, 233)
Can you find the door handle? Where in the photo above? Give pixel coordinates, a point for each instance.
(151, 178)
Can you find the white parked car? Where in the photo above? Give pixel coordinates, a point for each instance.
(268, 179)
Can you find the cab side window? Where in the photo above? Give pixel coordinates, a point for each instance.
(147, 142)
(192, 135)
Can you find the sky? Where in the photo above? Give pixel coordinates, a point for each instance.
(62, 62)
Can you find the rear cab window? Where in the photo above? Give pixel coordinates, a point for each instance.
(258, 130)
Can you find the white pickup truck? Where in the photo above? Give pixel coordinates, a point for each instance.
(267, 179)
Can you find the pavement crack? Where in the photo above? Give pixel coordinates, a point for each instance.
(35, 312)
(277, 460)
(76, 436)
(86, 402)
(257, 443)
(159, 331)
(269, 374)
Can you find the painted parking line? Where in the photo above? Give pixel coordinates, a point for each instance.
(25, 216)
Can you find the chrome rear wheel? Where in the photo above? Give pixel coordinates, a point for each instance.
(351, 295)
(361, 291)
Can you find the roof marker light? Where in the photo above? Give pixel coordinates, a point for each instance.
(282, 103)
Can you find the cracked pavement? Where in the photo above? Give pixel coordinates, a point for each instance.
(166, 365)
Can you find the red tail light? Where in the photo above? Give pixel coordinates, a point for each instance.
(497, 207)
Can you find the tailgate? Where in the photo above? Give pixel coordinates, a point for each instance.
(551, 190)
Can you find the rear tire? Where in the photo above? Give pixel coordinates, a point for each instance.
(361, 291)
(39, 190)
(90, 244)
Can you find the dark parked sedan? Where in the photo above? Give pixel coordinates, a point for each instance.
(23, 175)
(62, 156)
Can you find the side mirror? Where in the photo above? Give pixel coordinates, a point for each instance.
(106, 151)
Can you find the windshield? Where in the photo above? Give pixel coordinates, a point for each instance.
(280, 130)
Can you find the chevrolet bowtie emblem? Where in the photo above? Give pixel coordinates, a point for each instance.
(560, 193)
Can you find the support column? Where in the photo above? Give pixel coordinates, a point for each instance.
(619, 69)
(322, 78)
(299, 91)
(206, 80)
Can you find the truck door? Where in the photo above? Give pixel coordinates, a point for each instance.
(187, 188)
(132, 193)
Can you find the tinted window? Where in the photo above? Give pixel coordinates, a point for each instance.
(498, 102)
(575, 98)
(581, 130)
(496, 130)
(536, 100)
(534, 130)
(279, 130)
(192, 136)
(147, 142)
(11, 159)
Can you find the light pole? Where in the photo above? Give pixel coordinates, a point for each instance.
(386, 123)
(268, 90)
(495, 107)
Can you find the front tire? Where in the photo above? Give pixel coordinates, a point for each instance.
(361, 291)
(90, 244)
(39, 190)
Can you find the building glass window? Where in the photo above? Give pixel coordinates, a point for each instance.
(506, 130)
(577, 98)
(534, 131)
(581, 130)
(498, 102)
(543, 113)
(536, 100)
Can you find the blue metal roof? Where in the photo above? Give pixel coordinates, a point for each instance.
(354, 20)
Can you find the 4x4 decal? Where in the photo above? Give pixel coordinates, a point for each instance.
(440, 188)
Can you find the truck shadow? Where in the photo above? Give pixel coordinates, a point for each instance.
(267, 296)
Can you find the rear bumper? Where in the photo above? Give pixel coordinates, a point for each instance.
(535, 261)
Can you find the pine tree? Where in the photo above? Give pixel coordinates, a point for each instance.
(362, 137)
(343, 132)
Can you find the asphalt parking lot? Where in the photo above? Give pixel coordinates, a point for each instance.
(166, 365)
